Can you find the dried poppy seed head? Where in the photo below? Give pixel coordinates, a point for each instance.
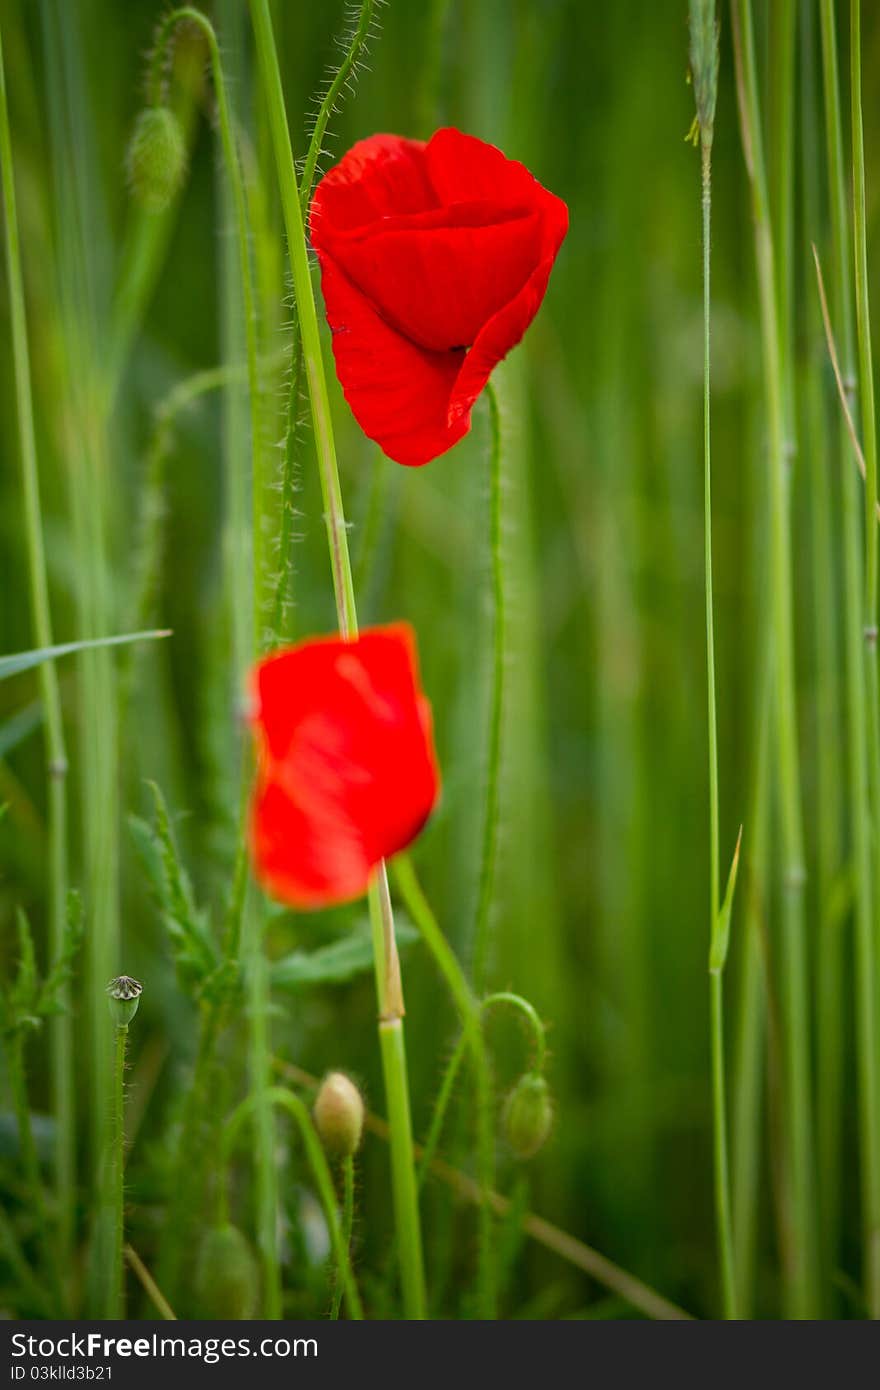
(124, 996)
(528, 1115)
(339, 1115)
(156, 158)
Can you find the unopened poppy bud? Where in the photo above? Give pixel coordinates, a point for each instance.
(123, 997)
(528, 1115)
(339, 1115)
(227, 1278)
(156, 158)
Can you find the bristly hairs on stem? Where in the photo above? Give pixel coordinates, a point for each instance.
(361, 27)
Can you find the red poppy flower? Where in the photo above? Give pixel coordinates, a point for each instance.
(347, 773)
(434, 261)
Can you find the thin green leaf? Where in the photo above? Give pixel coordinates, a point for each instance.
(18, 726)
(23, 661)
(335, 963)
(721, 928)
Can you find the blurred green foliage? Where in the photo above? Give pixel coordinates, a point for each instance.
(601, 914)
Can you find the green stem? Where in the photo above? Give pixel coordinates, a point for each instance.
(801, 1274)
(386, 962)
(61, 1031)
(752, 1025)
(259, 1065)
(719, 1103)
(328, 105)
(532, 1020)
(719, 1131)
(469, 1010)
(116, 1295)
(277, 1095)
(828, 751)
(29, 1161)
(489, 855)
(441, 1107)
(868, 999)
(347, 1227)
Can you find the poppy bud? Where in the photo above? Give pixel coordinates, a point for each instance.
(528, 1115)
(123, 997)
(227, 1278)
(156, 158)
(339, 1115)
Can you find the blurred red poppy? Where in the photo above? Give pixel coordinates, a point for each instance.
(434, 261)
(346, 769)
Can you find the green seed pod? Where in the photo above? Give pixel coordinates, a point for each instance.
(339, 1115)
(528, 1115)
(123, 997)
(156, 158)
(227, 1279)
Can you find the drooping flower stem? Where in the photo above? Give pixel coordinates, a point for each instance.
(386, 963)
(61, 1034)
(288, 1100)
(868, 940)
(347, 68)
(800, 1221)
(485, 892)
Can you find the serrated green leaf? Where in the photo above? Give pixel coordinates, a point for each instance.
(195, 951)
(24, 661)
(335, 963)
(49, 1000)
(721, 928)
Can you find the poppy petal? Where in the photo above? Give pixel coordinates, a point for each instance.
(399, 393)
(439, 285)
(347, 771)
(381, 176)
(434, 259)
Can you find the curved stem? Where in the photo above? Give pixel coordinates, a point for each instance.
(496, 711)
(532, 1019)
(328, 105)
(387, 967)
(277, 1095)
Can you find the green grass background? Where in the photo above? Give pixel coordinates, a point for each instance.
(601, 910)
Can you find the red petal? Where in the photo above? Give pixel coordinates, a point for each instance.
(384, 175)
(427, 250)
(399, 393)
(503, 331)
(439, 285)
(348, 773)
